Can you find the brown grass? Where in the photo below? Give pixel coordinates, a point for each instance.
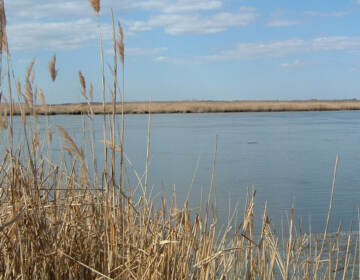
(168, 107)
(95, 5)
(59, 222)
(52, 69)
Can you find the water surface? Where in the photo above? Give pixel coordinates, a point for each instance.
(288, 157)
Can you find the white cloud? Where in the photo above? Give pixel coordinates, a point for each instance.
(354, 69)
(328, 14)
(143, 52)
(175, 24)
(30, 9)
(295, 63)
(283, 18)
(37, 9)
(140, 51)
(264, 49)
(185, 6)
(38, 35)
(138, 26)
(282, 22)
(275, 49)
(178, 6)
(70, 24)
(176, 60)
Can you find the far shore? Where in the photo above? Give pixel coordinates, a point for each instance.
(169, 107)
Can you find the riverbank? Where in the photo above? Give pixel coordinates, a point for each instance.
(168, 107)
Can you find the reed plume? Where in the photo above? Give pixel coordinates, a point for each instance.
(3, 41)
(53, 71)
(95, 5)
(29, 94)
(121, 47)
(71, 147)
(82, 84)
(42, 98)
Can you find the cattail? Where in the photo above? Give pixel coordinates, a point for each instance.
(121, 47)
(96, 5)
(53, 71)
(82, 84)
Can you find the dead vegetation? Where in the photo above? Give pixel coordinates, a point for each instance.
(58, 222)
(169, 107)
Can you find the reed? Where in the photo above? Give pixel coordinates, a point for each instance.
(53, 71)
(181, 107)
(58, 222)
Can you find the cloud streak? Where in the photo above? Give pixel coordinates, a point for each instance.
(283, 22)
(294, 64)
(67, 35)
(275, 49)
(175, 24)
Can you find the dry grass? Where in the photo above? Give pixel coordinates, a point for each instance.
(52, 69)
(168, 107)
(95, 5)
(58, 222)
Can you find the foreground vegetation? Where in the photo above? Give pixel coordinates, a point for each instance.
(61, 220)
(169, 107)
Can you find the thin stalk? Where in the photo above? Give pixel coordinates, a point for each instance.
(328, 217)
(147, 152)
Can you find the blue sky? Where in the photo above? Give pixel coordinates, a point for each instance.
(194, 49)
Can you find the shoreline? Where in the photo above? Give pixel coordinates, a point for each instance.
(176, 107)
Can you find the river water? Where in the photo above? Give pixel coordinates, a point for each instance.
(288, 157)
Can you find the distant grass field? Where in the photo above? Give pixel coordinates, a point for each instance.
(168, 107)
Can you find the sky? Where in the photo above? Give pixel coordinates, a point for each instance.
(193, 49)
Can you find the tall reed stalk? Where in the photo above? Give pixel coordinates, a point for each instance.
(59, 222)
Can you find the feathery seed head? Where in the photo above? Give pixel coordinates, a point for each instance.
(3, 39)
(42, 97)
(95, 5)
(29, 93)
(82, 84)
(53, 71)
(121, 47)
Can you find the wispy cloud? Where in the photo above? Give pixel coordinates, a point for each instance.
(68, 8)
(275, 49)
(38, 35)
(327, 14)
(144, 52)
(51, 25)
(22, 9)
(175, 24)
(282, 22)
(354, 69)
(293, 64)
(179, 6)
(283, 18)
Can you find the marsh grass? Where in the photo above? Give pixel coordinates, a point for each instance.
(169, 107)
(58, 222)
